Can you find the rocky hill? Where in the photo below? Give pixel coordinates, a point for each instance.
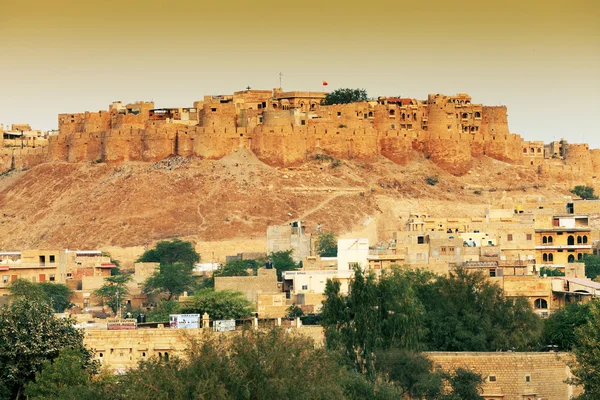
(91, 205)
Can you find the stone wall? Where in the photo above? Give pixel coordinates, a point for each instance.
(515, 376)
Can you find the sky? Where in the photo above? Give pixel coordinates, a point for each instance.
(540, 58)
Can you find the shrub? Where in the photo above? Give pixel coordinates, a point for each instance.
(432, 180)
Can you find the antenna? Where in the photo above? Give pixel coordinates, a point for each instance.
(280, 76)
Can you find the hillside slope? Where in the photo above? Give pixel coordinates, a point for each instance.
(62, 205)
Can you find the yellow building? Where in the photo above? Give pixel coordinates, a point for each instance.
(565, 242)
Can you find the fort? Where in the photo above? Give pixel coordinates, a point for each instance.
(289, 128)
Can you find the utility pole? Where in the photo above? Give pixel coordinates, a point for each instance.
(280, 76)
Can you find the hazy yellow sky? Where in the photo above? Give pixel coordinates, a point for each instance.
(540, 58)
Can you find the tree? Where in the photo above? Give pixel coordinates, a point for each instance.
(163, 309)
(345, 96)
(464, 384)
(113, 290)
(294, 311)
(466, 312)
(55, 294)
(376, 314)
(222, 304)
(29, 335)
(171, 252)
(560, 328)
(586, 350)
(172, 279)
(68, 373)
(592, 265)
(585, 192)
(237, 268)
(548, 271)
(326, 245)
(283, 261)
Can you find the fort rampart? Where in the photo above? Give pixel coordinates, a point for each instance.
(450, 131)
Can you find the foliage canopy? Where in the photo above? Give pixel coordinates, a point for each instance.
(171, 252)
(345, 96)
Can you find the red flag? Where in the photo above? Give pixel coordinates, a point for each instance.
(325, 83)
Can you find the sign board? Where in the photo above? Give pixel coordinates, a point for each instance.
(184, 321)
(121, 324)
(224, 325)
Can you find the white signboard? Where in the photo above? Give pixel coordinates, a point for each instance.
(224, 325)
(184, 321)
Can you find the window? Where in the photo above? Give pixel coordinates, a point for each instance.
(443, 250)
(52, 259)
(5, 279)
(492, 272)
(213, 109)
(579, 257)
(529, 236)
(339, 113)
(451, 250)
(420, 239)
(545, 257)
(549, 239)
(492, 378)
(527, 378)
(551, 257)
(69, 275)
(585, 239)
(570, 241)
(544, 240)
(509, 237)
(51, 278)
(303, 122)
(304, 287)
(42, 259)
(392, 112)
(540, 304)
(579, 240)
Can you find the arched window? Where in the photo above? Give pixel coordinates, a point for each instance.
(571, 241)
(464, 115)
(370, 114)
(579, 256)
(550, 257)
(571, 258)
(545, 257)
(579, 240)
(477, 114)
(585, 240)
(532, 150)
(160, 355)
(524, 150)
(393, 126)
(403, 116)
(540, 304)
(549, 239)
(166, 356)
(392, 112)
(544, 239)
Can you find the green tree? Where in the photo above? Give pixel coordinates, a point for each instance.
(253, 365)
(412, 372)
(592, 265)
(548, 271)
(466, 312)
(237, 268)
(171, 252)
(222, 304)
(172, 279)
(29, 335)
(464, 384)
(163, 309)
(585, 192)
(376, 314)
(55, 294)
(326, 245)
(294, 311)
(559, 329)
(586, 350)
(283, 261)
(113, 290)
(345, 96)
(66, 375)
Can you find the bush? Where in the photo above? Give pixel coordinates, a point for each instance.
(432, 180)
(585, 192)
